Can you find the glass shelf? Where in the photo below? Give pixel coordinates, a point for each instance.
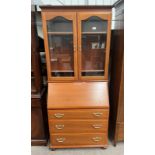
(94, 32)
(93, 73)
(68, 73)
(62, 71)
(60, 33)
(92, 70)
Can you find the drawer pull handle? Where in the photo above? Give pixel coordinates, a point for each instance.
(97, 126)
(60, 140)
(96, 139)
(59, 115)
(98, 114)
(59, 127)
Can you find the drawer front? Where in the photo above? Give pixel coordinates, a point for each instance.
(78, 126)
(78, 139)
(79, 114)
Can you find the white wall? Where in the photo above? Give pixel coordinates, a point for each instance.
(73, 2)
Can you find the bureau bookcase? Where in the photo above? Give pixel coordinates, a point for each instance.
(77, 44)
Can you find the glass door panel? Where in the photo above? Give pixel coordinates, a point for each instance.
(93, 46)
(60, 39)
(60, 24)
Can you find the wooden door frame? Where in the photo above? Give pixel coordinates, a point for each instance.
(105, 16)
(70, 16)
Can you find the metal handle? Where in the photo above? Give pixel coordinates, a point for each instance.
(60, 140)
(96, 139)
(97, 114)
(97, 126)
(59, 115)
(59, 126)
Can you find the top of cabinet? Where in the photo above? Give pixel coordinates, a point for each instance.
(75, 7)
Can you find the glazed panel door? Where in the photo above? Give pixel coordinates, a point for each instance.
(61, 45)
(93, 45)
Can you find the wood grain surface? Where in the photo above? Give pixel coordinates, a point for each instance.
(78, 126)
(79, 114)
(78, 95)
(78, 139)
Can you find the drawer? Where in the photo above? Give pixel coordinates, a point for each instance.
(79, 114)
(79, 139)
(78, 126)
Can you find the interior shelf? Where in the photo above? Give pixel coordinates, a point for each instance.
(63, 71)
(60, 33)
(93, 70)
(103, 32)
(85, 50)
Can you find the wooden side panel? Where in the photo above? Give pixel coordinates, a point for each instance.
(117, 77)
(36, 80)
(39, 122)
(37, 130)
(120, 113)
(117, 82)
(119, 131)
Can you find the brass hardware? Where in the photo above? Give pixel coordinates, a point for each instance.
(97, 114)
(59, 115)
(60, 140)
(97, 126)
(96, 139)
(60, 126)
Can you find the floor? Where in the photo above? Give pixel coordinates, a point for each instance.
(111, 150)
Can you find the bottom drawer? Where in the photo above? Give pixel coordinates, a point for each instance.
(98, 139)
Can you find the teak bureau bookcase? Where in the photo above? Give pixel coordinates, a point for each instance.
(77, 44)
